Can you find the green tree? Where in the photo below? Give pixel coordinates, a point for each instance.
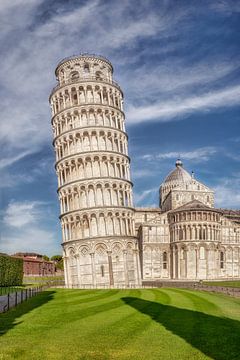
(56, 257)
(58, 261)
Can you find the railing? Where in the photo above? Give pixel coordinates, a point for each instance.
(12, 299)
(12, 296)
(85, 79)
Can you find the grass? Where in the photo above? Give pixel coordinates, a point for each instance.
(235, 284)
(141, 324)
(4, 290)
(42, 279)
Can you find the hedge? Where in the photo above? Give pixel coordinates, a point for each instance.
(11, 271)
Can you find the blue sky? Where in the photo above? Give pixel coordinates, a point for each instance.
(178, 65)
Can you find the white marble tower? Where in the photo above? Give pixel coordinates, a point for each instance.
(94, 185)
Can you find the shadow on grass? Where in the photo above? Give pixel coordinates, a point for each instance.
(216, 337)
(8, 319)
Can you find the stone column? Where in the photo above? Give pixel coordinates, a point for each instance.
(197, 262)
(93, 269)
(78, 270)
(137, 266)
(125, 267)
(65, 271)
(111, 279)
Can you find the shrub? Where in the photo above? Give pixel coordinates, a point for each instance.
(11, 271)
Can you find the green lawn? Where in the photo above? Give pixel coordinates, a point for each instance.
(146, 324)
(235, 284)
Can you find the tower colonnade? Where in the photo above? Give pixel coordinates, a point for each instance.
(90, 140)
(68, 97)
(86, 115)
(89, 166)
(93, 168)
(195, 237)
(97, 193)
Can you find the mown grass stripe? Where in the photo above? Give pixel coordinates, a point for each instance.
(141, 324)
(197, 301)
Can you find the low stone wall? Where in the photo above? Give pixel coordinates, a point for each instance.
(194, 286)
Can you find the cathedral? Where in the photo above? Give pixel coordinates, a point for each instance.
(107, 242)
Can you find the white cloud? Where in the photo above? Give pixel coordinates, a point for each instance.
(28, 69)
(32, 239)
(8, 161)
(141, 173)
(175, 77)
(31, 63)
(19, 214)
(227, 194)
(228, 7)
(182, 106)
(198, 155)
(14, 180)
(23, 228)
(147, 197)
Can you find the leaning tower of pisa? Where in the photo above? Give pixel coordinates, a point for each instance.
(94, 185)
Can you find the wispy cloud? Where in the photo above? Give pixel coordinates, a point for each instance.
(141, 173)
(227, 7)
(177, 77)
(163, 75)
(227, 193)
(20, 214)
(8, 161)
(146, 197)
(180, 107)
(23, 228)
(32, 239)
(198, 155)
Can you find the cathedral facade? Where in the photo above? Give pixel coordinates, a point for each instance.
(107, 242)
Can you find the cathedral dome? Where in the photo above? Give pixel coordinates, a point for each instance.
(178, 175)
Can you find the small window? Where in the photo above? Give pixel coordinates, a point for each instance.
(99, 75)
(165, 260)
(221, 260)
(102, 270)
(86, 69)
(74, 75)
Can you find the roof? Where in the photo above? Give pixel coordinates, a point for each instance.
(179, 174)
(146, 209)
(233, 215)
(194, 205)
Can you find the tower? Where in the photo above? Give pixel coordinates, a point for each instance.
(94, 186)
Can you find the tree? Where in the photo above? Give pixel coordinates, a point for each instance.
(56, 257)
(58, 261)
